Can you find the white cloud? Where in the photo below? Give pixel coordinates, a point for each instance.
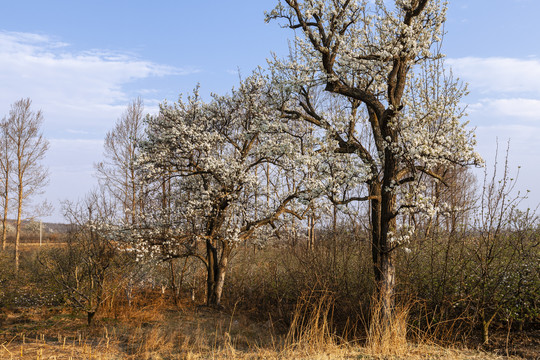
(85, 89)
(501, 89)
(497, 75)
(508, 110)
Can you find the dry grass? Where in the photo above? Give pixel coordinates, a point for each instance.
(162, 345)
(310, 327)
(63, 347)
(387, 336)
(159, 331)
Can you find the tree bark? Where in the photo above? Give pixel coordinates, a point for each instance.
(210, 269)
(4, 219)
(173, 281)
(217, 268)
(212, 297)
(485, 331)
(383, 202)
(388, 226)
(18, 230)
(383, 258)
(375, 203)
(220, 277)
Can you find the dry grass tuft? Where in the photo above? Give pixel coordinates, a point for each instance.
(387, 336)
(311, 331)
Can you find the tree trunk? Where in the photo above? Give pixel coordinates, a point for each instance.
(486, 322)
(383, 262)
(485, 331)
(311, 233)
(173, 281)
(18, 230)
(212, 271)
(382, 223)
(387, 282)
(217, 269)
(90, 317)
(4, 219)
(387, 285)
(375, 203)
(220, 278)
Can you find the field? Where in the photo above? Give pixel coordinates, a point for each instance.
(264, 316)
(159, 331)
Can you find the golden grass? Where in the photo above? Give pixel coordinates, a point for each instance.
(161, 345)
(72, 347)
(388, 336)
(163, 332)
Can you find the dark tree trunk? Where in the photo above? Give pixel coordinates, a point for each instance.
(217, 268)
(382, 203)
(388, 225)
(212, 269)
(173, 281)
(375, 193)
(383, 258)
(90, 317)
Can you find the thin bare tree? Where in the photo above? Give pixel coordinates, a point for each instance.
(23, 129)
(117, 172)
(6, 169)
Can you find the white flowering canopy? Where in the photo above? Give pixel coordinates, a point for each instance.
(215, 164)
(371, 78)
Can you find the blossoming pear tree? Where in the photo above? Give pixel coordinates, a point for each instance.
(207, 163)
(399, 112)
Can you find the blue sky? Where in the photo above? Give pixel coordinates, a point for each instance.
(82, 61)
